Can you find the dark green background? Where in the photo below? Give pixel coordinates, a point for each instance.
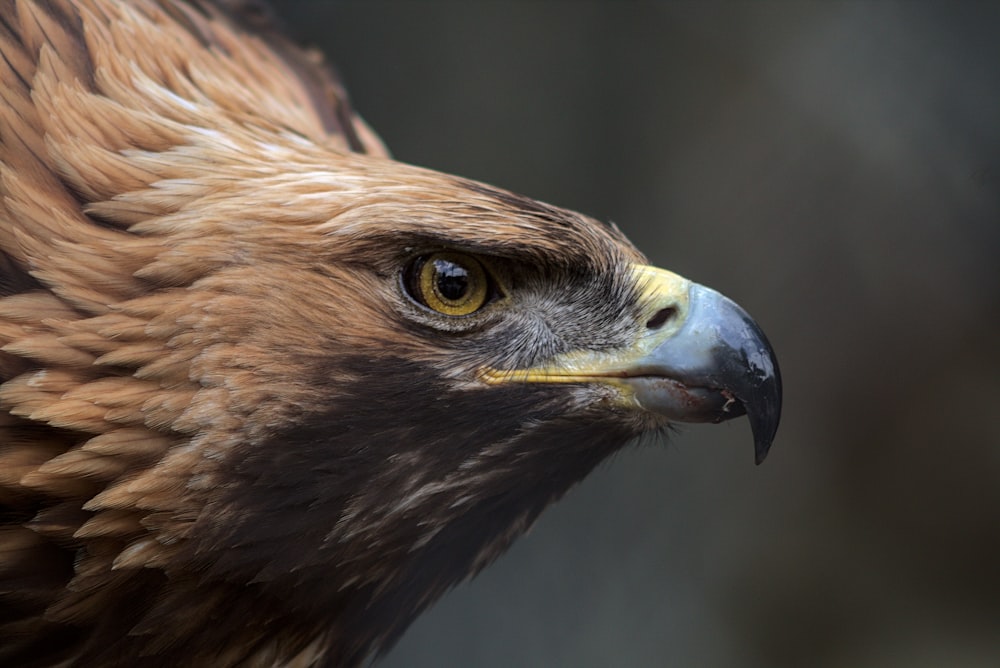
(833, 167)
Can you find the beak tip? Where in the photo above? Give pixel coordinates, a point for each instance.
(764, 419)
(760, 451)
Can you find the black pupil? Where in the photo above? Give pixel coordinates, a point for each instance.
(452, 280)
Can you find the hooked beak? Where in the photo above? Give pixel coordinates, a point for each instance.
(698, 358)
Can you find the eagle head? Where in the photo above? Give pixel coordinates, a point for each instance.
(268, 393)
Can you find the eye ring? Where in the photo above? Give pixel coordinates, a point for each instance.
(452, 284)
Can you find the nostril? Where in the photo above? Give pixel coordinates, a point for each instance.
(661, 317)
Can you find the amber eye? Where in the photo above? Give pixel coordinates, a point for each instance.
(450, 283)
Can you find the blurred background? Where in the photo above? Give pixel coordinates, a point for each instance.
(834, 168)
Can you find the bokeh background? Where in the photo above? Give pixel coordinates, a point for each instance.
(835, 168)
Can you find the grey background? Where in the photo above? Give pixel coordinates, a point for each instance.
(833, 167)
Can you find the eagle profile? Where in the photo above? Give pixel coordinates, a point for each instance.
(267, 393)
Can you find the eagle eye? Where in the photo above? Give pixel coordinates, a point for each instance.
(452, 284)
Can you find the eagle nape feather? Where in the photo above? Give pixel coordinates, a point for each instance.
(265, 393)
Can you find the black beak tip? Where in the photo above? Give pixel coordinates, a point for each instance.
(759, 384)
(760, 451)
(765, 414)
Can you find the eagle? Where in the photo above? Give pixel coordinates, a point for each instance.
(266, 393)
